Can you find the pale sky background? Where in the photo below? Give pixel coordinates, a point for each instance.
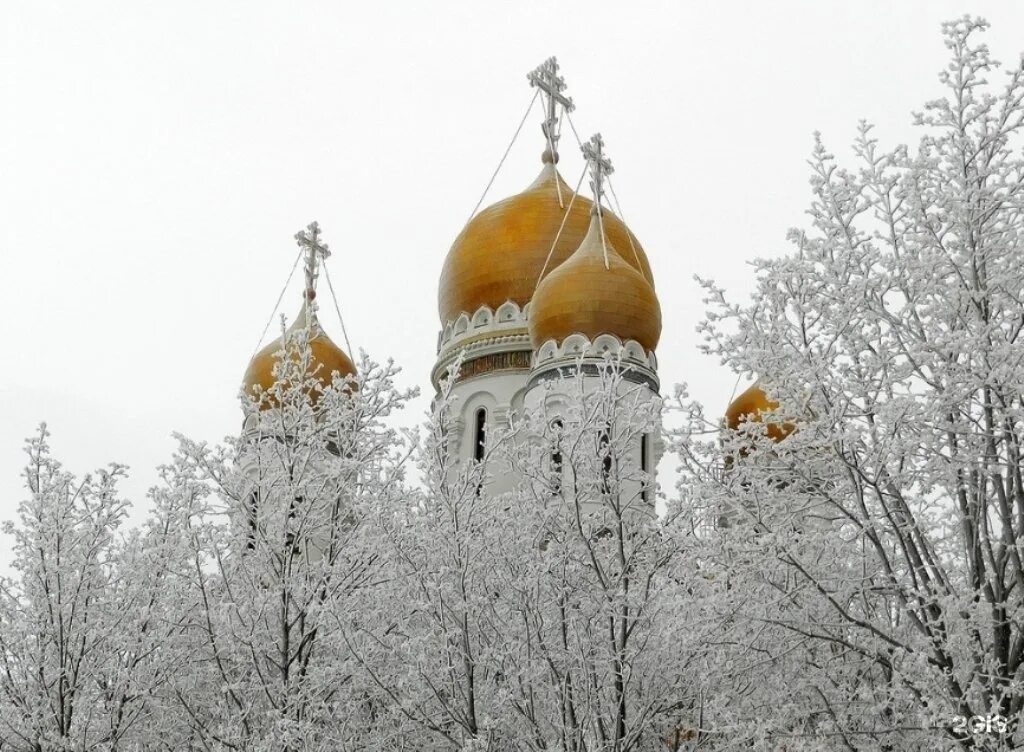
(157, 158)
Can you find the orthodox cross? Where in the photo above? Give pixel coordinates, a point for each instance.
(545, 77)
(315, 251)
(600, 167)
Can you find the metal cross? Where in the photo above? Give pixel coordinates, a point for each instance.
(600, 167)
(545, 77)
(316, 251)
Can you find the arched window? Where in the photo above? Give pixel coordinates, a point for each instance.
(480, 434)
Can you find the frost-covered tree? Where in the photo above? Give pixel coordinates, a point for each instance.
(544, 618)
(874, 553)
(423, 639)
(591, 658)
(280, 552)
(84, 620)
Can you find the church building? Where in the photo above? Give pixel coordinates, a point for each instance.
(543, 286)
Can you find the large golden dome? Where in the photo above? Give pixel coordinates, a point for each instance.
(327, 357)
(499, 255)
(750, 406)
(584, 296)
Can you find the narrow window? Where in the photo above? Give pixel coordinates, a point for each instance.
(605, 452)
(291, 539)
(556, 457)
(645, 466)
(479, 442)
(480, 434)
(250, 543)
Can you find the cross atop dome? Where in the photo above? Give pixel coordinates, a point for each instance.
(316, 252)
(600, 167)
(545, 77)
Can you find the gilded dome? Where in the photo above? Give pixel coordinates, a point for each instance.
(749, 406)
(328, 358)
(583, 296)
(499, 255)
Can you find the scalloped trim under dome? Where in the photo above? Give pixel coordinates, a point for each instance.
(577, 346)
(484, 322)
(486, 333)
(578, 354)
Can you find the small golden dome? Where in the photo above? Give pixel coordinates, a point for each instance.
(327, 359)
(499, 255)
(750, 406)
(583, 296)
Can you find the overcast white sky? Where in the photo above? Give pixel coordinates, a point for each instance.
(156, 159)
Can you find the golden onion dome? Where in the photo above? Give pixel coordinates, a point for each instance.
(500, 253)
(585, 296)
(327, 357)
(750, 406)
